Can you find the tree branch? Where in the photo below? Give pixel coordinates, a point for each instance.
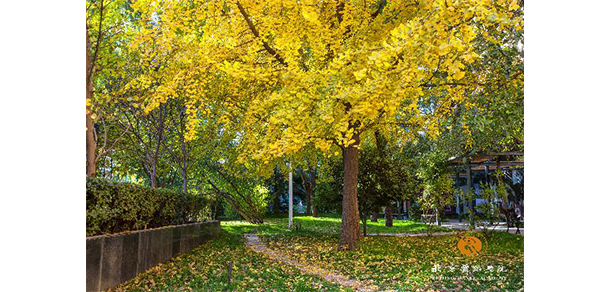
(99, 39)
(379, 9)
(255, 32)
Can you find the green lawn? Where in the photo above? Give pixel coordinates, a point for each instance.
(390, 263)
(332, 225)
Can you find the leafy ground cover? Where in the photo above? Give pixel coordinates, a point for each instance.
(414, 263)
(420, 263)
(205, 269)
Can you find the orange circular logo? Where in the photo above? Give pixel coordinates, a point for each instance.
(470, 245)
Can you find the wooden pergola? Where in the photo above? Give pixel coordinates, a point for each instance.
(487, 162)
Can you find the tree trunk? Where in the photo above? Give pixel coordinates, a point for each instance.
(458, 207)
(374, 216)
(159, 134)
(308, 201)
(153, 175)
(276, 203)
(438, 221)
(313, 192)
(389, 222)
(184, 181)
(251, 218)
(365, 216)
(185, 154)
(350, 225)
(278, 190)
(307, 185)
(91, 144)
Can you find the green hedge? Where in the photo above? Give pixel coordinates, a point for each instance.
(114, 207)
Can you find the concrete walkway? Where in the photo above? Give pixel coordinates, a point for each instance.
(454, 224)
(411, 234)
(254, 242)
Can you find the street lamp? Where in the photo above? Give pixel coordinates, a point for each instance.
(290, 198)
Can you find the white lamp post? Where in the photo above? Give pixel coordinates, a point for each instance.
(290, 198)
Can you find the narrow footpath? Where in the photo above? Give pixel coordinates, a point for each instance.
(254, 242)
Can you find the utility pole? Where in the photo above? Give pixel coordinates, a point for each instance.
(457, 196)
(471, 201)
(290, 197)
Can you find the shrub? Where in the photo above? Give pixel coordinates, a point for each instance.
(114, 207)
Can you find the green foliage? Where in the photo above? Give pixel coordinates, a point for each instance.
(228, 211)
(116, 207)
(260, 197)
(489, 212)
(468, 197)
(241, 191)
(386, 174)
(438, 186)
(415, 212)
(329, 187)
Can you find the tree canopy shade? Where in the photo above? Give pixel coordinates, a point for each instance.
(289, 76)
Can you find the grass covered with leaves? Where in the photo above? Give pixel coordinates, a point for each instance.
(419, 263)
(205, 269)
(414, 263)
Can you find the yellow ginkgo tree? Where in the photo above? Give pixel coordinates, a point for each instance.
(296, 75)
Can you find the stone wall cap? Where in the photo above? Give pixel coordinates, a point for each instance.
(128, 232)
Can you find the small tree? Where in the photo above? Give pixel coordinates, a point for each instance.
(437, 185)
(489, 213)
(387, 175)
(437, 195)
